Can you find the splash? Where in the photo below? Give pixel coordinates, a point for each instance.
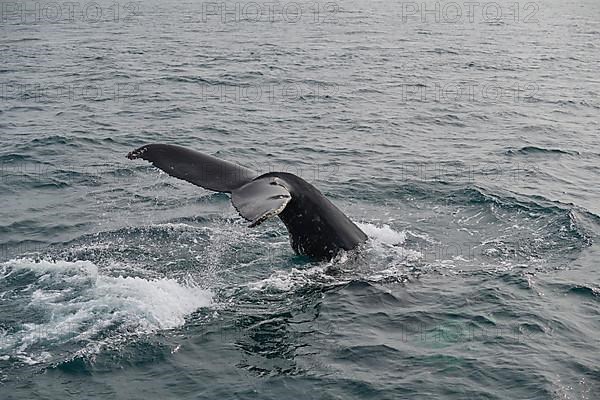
(72, 302)
(383, 234)
(382, 258)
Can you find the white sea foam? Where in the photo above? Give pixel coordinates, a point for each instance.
(383, 234)
(286, 280)
(78, 301)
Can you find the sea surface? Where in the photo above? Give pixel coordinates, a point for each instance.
(463, 138)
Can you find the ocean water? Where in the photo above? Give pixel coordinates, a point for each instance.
(462, 138)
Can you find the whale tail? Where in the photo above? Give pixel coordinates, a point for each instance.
(317, 227)
(192, 166)
(255, 199)
(261, 199)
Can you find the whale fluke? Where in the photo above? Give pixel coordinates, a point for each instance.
(317, 227)
(260, 199)
(200, 169)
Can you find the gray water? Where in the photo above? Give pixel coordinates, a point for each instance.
(463, 142)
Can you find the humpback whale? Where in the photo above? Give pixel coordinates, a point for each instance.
(317, 228)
